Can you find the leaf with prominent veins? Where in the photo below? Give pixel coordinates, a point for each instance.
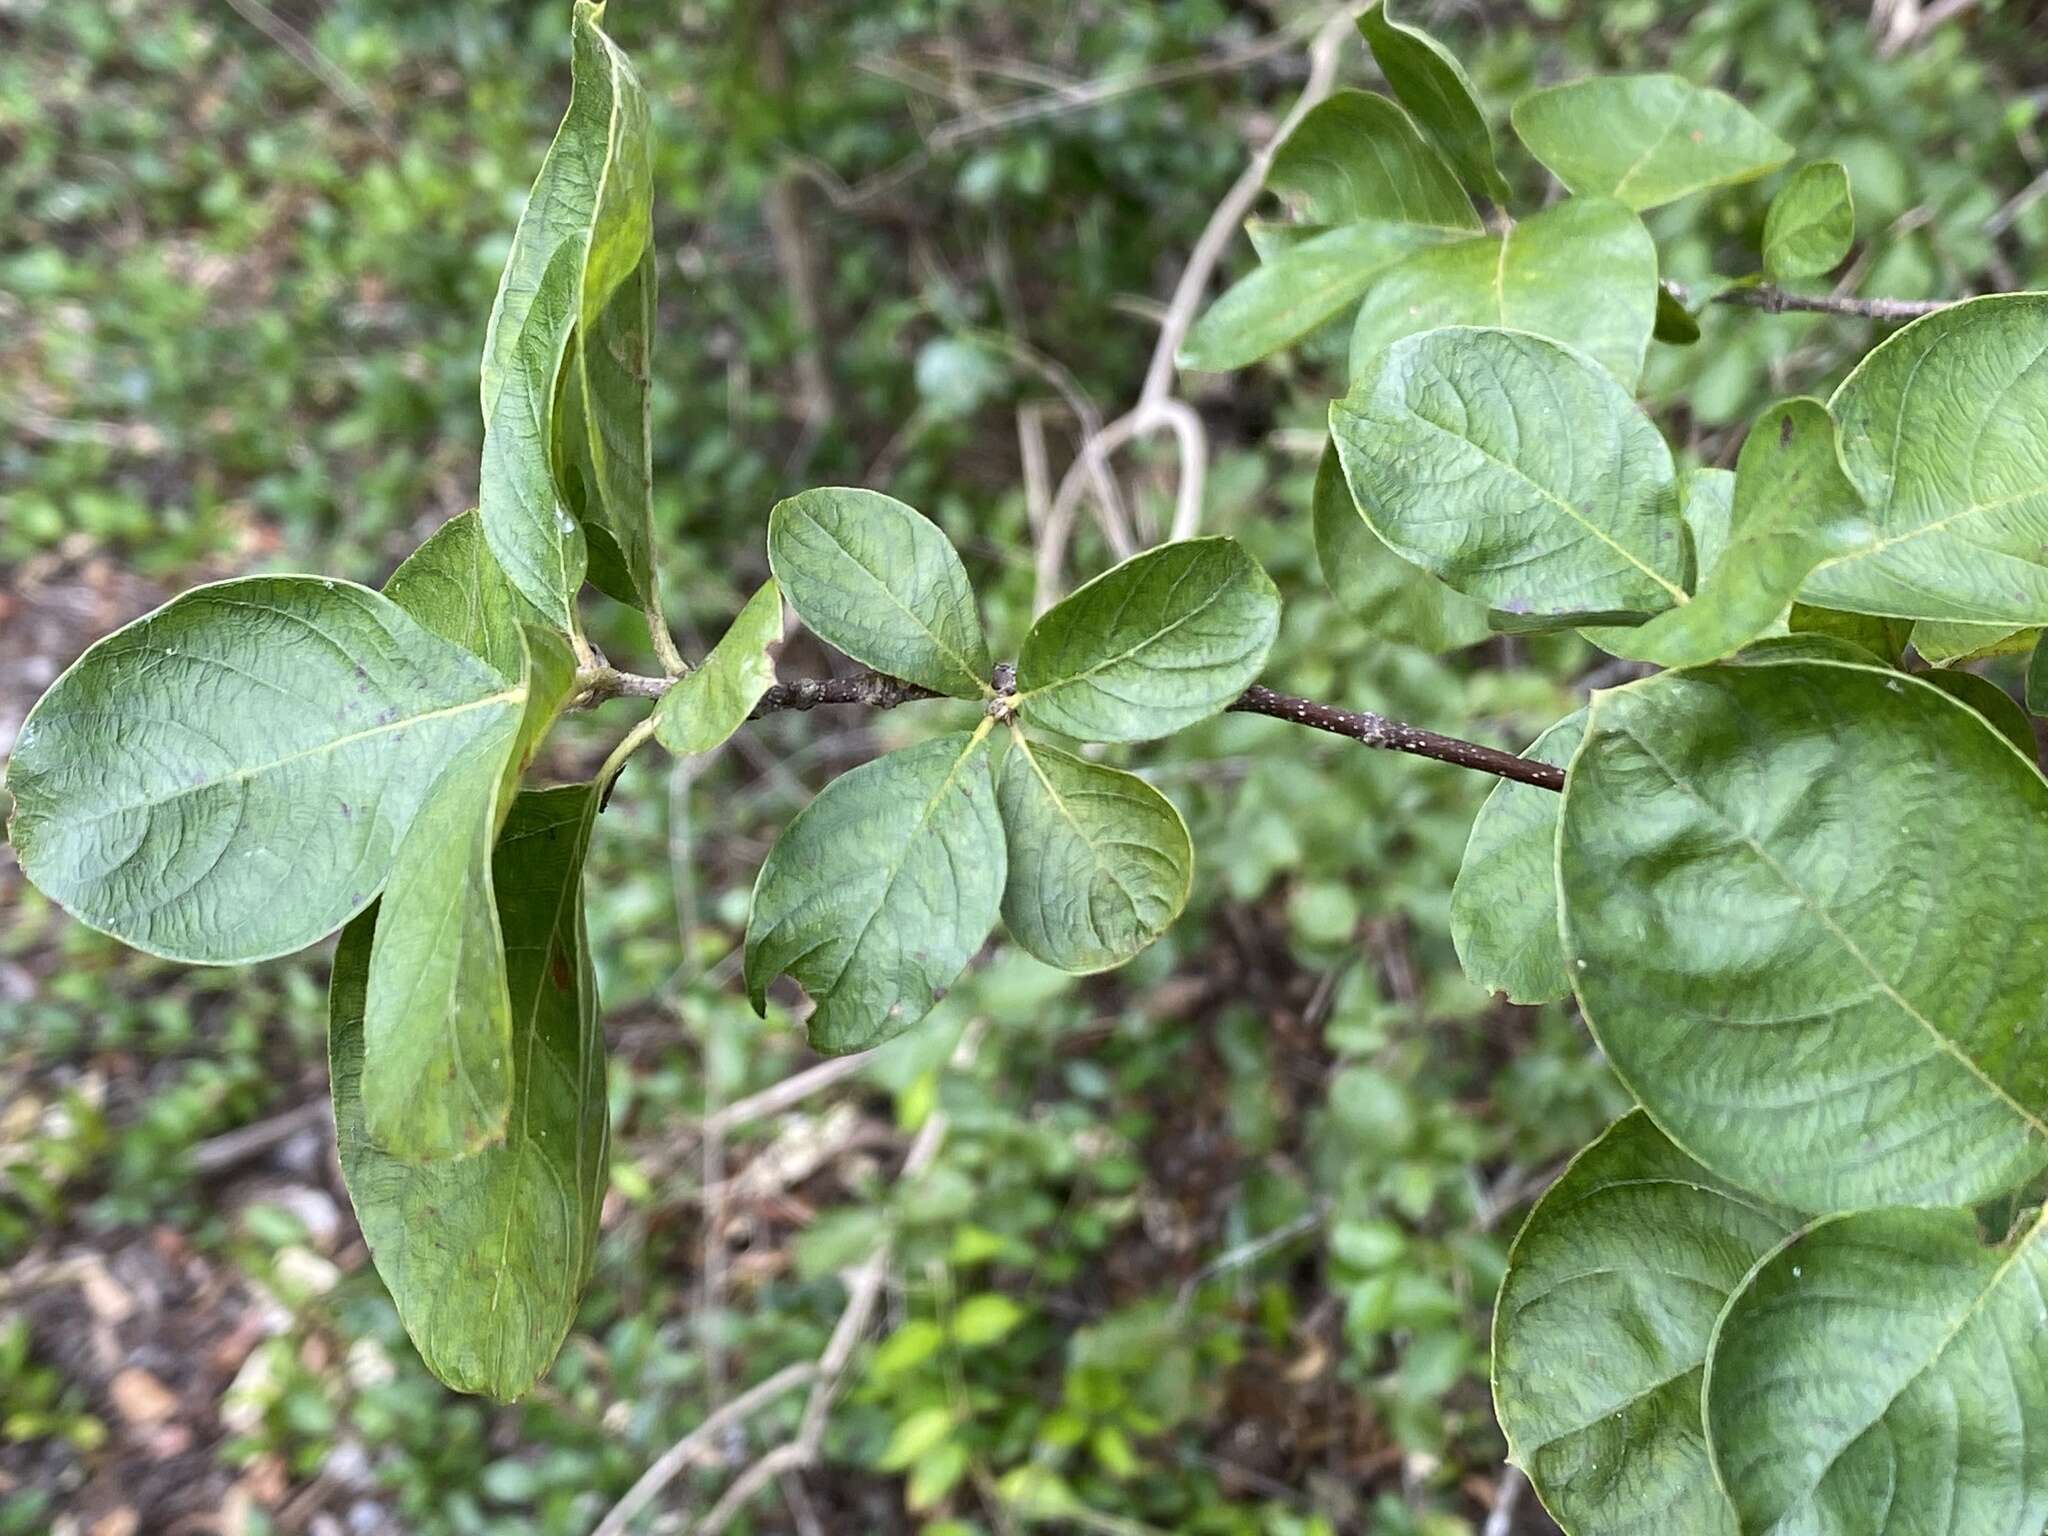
(229, 778)
(1800, 911)
(1519, 472)
(486, 1256)
(1167, 638)
(880, 891)
(1622, 1268)
(880, 581)
(1100, 861)
(1943, 431)
(1882, 1374)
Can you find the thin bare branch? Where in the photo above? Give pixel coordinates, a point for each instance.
(1776, 301)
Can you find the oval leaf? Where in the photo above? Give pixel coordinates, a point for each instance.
(1504, 902)
(228, 778)
(1583, 273)
(1516, 470)
(1621, 1270)
(1295, 290)
(1941, 432)
(1431, 83)
(1100, 861)
(1798, 908)
(708, 704)
(1391, 597)
(881, 582)
(584, 227)
(486, 1256)
(602, 451)
(1645, 139)
(1169, 637)
(880, 891)
(1811, 223)
(1357, 156)
(1882, 1372)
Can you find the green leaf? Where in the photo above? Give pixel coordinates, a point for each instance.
(1294, 291)
(1793, 508)
(1519, 472)
(1941, 431)
(1645, 139)
(880, 891)
(582, 233)
(228, 779)
(1948, 645)
(882, 583)
(1504, 902)
(1886, 639)
(1391, 597)
(1998, 708)
(1882, 1371)
(603, 453)
(985, 1319)
(1583, 273)
(1357, 156)
(2037, 680)
(486, 1256)
(707, 705)
(1600, 1336)
(1169, 637)
(1797, 908)
(1675, 323)
(1810, 224)
(1431, 83)
(437, 1022)
(922, 1432)
(1100, 861)
(1709, 512)
(454, 588)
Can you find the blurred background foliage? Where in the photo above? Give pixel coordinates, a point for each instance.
(1211, 1242)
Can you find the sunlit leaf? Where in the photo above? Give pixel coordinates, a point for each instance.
(1793, 508)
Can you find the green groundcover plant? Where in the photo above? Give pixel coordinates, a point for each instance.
(1792, 876)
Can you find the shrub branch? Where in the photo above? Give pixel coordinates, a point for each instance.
(873, 690)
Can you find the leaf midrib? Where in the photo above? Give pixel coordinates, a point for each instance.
(243, 775)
